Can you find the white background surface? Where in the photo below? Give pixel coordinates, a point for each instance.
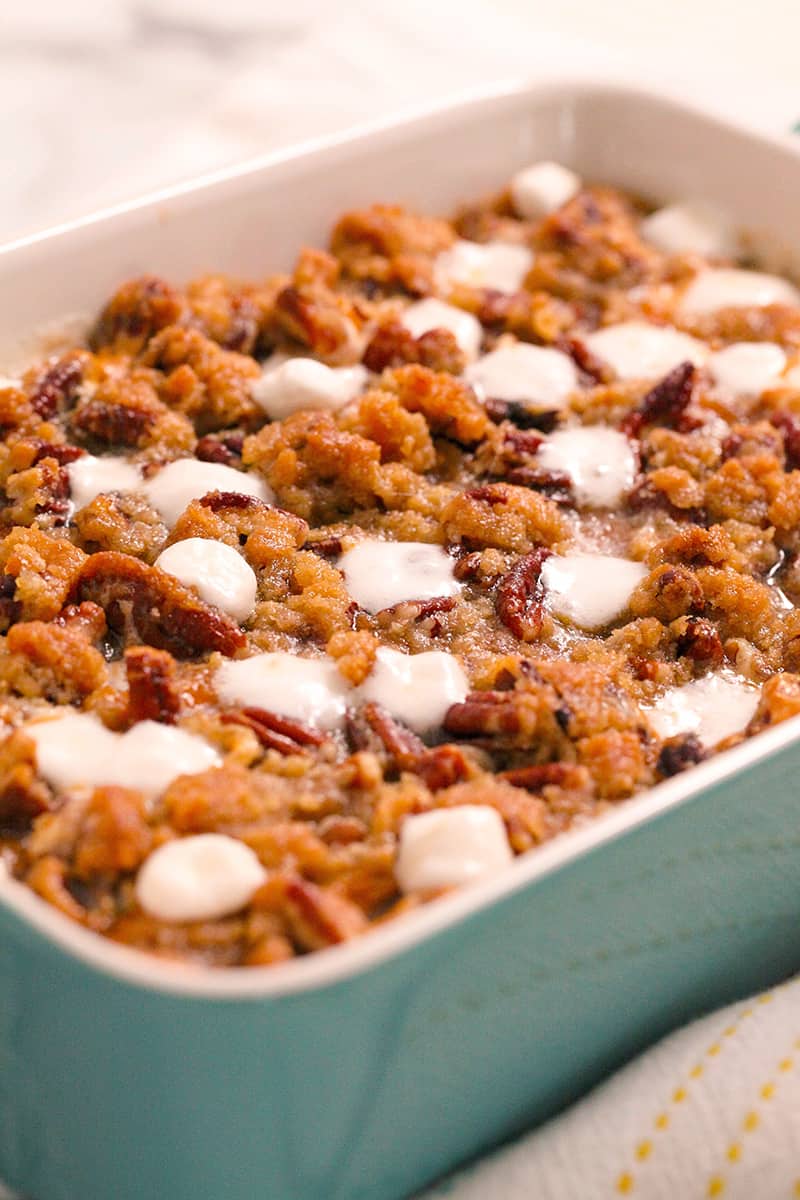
(101, 100)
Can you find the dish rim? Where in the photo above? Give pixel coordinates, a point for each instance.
(335, 965)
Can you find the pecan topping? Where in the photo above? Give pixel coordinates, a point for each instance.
(584, 360)
(534, 778)
(701, 642)
(57, 387)
(483, 714)
(152, 689)
(517, 414)
(666, 402)
(438, 768)
(155, 607)
(327, 547)
(225, 448)
(393, 345)
(217, 500)
(519, 600)
(275, 732)
(63, 454)
(789, 426)
(555, 484)
(679, 753)
(320, 917)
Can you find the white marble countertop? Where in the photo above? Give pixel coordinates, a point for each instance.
(101, 100)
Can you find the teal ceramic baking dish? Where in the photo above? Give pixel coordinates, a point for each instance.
(365, 1071)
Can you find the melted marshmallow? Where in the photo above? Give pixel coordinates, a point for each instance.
(689, 229)
(590, 590)
(90, 477)
(199, 878)
(729, 287)
(7, 382)
(187, 479)
(498, 265)
(292, 384)
(712, 708)
(429, 314)
(418, 689)
(599, 461)
(747, 368)
(450, 846)
(217, 571)
(536, 376)
(77, 749)
(305, 689)
(638, 350)
(542, 188)
(379, 574)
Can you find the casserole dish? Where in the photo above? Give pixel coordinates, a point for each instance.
(369, 1069)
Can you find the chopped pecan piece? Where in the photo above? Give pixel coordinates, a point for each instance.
(275, 732)
(225, 448)
(534, 778)
(154, 607)
(667, 401)
(789, 425)
(23, 796)
(58, 386)
(326, 547)
(439, 767)
(134, 313)
(518, 414)
(679, 753)
(519, 600)
(153, 693)
(319, 916)
(586, 362)
(701, 642)
(392, 345)
(483, 714)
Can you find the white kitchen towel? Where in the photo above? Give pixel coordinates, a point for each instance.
(712, 1110)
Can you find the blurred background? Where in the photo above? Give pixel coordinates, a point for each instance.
(101, 100)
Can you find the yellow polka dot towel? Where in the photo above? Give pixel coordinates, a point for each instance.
(713, 1110)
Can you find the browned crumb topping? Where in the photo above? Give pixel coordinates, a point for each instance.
(554, 729)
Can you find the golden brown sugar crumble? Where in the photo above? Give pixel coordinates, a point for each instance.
(460, 534)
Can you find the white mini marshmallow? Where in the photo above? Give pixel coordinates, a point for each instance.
(590, 590)
(293, 384)
(6, 381)
(379, 574)
(690, 229)
(218, 573)
(418, 689)
(501, 266)
(712, 707)
(537, 376)
(451, 846)
(90, 477)
(187, 479)
(200, 878)
(311, 690)
(425, 315)
(730, 287)
(542, 188)
(638, 350)
(599, 461)
(747, 368)
(76, 749)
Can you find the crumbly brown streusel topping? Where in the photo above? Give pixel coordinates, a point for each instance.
(555, 728)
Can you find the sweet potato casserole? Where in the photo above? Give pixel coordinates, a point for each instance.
(324, 594)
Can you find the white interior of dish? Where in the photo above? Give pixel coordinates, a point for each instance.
(253, 219)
